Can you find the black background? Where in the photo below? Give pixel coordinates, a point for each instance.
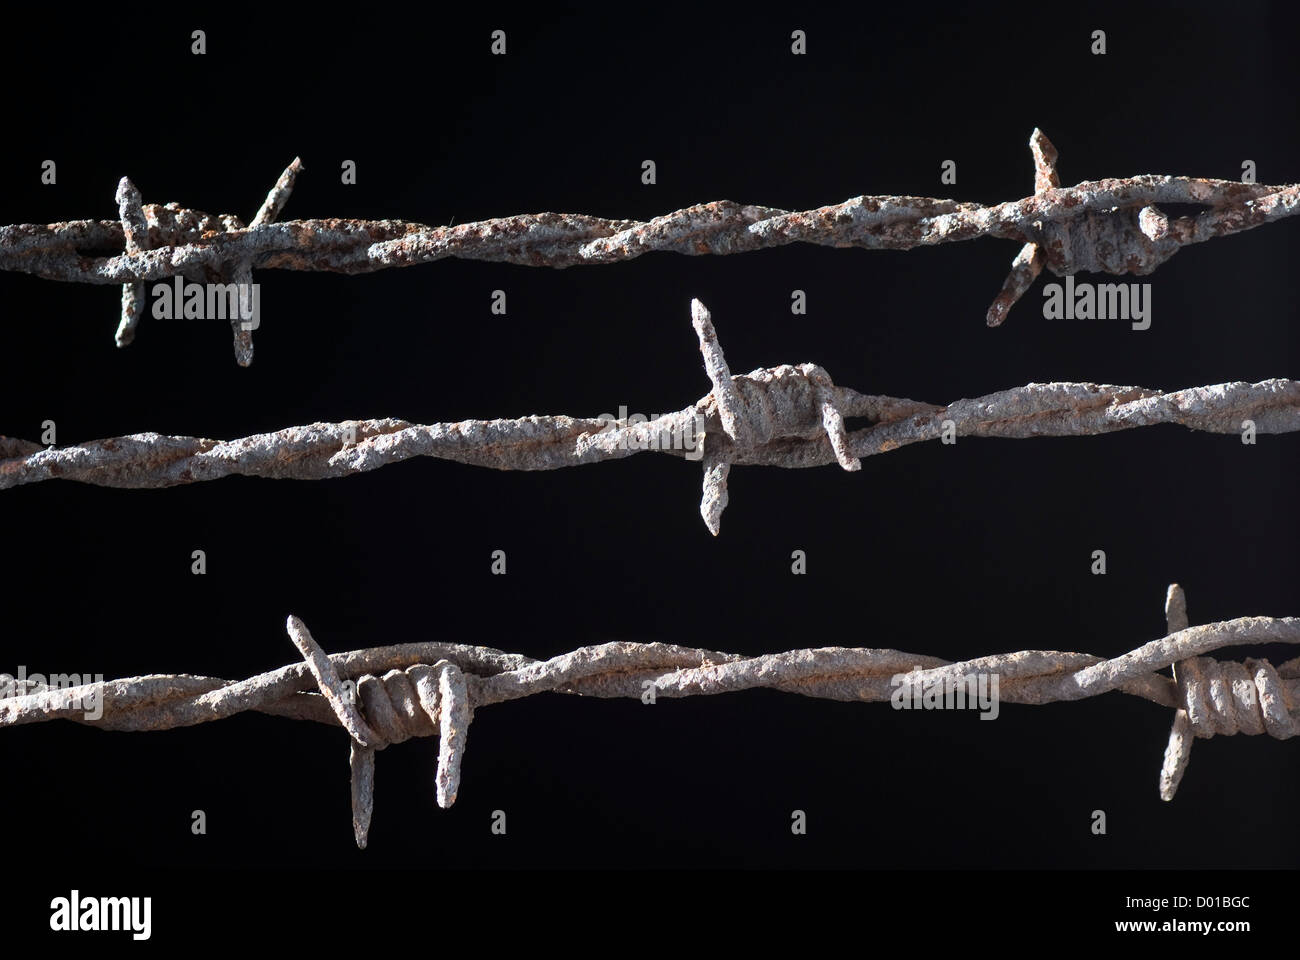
(954, 551)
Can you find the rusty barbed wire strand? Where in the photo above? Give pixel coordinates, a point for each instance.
(1103, 226)
(413, 698)
(786, 416)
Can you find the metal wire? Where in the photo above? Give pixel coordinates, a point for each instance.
(386, 695)
(1107, 226)
(787, 416)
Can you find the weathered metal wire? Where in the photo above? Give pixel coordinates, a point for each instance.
(386, 695)
(1107, 226)
(786, 416)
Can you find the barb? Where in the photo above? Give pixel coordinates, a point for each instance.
(786, 416)
(1104, 226)
(412, 699)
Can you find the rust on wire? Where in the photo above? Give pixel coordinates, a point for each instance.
(786, 416)
(385, 695)
(1106, 226)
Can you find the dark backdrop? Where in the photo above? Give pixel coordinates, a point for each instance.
(952, 551)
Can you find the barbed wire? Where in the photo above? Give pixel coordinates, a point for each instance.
(1105, 226)
(786, 416)
(383, 696)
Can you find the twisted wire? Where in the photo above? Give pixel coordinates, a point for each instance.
(418, 690)
(1107, 226)
(786, 416)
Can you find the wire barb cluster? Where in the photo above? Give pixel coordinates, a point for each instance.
(415, 702)
(386, 695)
(1108, 226)
(781, 404)
(1222, 698)
(786, 416)
(149, 227)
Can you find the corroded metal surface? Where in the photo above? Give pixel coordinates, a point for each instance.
(1107, 226)
(787, 416)
(413, 699)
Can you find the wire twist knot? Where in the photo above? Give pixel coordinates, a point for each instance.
(419, 701)
(765, 405)
(1226, 698)
(1108, 241)
(1222, 697)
